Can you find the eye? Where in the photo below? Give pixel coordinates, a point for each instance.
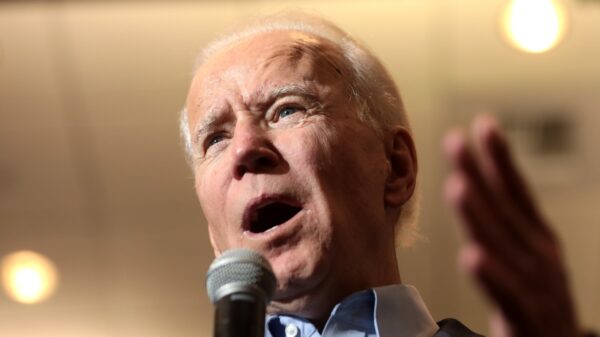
(214, 139)
(287, 110)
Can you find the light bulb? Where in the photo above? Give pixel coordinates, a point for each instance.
(28, 277)
(534, 26)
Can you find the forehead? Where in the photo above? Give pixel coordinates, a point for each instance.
(267, 59)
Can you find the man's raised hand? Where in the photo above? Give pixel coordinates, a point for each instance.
(510, 250)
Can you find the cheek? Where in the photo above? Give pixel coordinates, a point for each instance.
(305, 147)
(322, 158)
(312, 151)
(210, 197)
(210, 185)
(202, 189)
(353, 170)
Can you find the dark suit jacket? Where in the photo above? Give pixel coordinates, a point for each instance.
(450, 327)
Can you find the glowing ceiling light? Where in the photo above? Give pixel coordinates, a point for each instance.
(28, 277)
(534, 26)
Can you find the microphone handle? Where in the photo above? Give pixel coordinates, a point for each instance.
(240, 314)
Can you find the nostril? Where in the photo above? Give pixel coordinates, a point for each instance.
(265, 162)
(256, 160)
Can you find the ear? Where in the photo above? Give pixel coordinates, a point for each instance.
(402, 161)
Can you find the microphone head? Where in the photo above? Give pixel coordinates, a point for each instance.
(240, 270)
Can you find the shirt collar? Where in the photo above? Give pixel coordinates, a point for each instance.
(395, 310)
(353, 316)
(400, 312)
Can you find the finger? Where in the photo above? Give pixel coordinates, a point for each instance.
(506, 192)
(499, 327)
(466, 190)
(489, 217)
(501, 173)
(459, 155)
(540, 308)
(479, 220)
(485, 218)
(501, 286)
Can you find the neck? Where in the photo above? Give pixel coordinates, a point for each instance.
(316, 304)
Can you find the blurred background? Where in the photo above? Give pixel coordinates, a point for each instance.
(100, 232)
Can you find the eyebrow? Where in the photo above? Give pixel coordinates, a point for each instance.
(307, 90)
(212, 118)
(215, 115)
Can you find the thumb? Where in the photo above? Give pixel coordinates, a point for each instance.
(499, 326)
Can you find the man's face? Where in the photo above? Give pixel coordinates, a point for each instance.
(286, 168)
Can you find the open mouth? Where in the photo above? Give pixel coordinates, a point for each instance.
(270, 215)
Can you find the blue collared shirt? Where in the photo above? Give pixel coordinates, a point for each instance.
(395, 310)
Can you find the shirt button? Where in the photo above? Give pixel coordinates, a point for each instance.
(291, 330)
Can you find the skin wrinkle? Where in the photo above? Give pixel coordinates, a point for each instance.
(319, 54)
(334, 169)
(299, 50)
(362, 66)
(315, 163)
(330, 53)
(365, 75)
(216, 118)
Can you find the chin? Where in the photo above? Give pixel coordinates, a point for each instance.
(301, 288)
(312, 305)
(298, 306)
(295, 282)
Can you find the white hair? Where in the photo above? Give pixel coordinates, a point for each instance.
(372, 89)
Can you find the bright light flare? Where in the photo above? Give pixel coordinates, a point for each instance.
(28, 277)
(534, 26)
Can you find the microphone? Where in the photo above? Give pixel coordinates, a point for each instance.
(240, 283)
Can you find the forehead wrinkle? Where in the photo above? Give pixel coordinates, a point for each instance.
(253, 97)
(212, 117)
(265, 95)
(215, 114)
(316, 51)
(305, 88)
(215, 111)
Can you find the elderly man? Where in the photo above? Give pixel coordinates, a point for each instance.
(302, 151)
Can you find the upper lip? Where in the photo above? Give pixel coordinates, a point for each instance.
(264, 200)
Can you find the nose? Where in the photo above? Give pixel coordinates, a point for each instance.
(253, 151)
